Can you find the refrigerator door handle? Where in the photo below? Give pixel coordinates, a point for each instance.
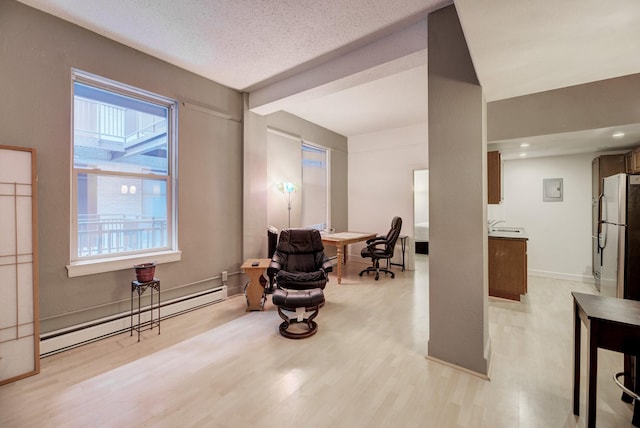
(602, 236)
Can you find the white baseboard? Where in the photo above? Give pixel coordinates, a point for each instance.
(60, 340)
(564, 276)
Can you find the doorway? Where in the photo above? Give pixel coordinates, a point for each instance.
(421, 210)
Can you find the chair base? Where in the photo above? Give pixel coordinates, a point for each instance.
(377, 269)
(300, 302)
(312, 326)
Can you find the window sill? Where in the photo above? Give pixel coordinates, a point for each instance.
(91, 267)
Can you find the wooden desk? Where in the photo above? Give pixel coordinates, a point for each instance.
(341, 240)
(255, 291)
(612, 324)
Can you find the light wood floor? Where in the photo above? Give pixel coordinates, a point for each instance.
(222, 367)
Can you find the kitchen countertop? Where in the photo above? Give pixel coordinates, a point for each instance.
(509, 233)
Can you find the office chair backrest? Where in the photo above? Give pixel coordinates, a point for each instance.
(394, 233)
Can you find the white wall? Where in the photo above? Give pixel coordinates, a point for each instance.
(380, 171)
(559, 232)
(284, 160)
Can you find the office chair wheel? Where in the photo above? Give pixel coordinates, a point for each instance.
(377, 276)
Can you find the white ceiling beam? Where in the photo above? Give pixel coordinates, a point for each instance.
(399, 51)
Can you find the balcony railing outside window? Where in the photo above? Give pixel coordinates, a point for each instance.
(110, 234)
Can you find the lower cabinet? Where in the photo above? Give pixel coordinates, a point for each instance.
(507, 268)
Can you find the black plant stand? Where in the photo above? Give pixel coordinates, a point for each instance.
(141, 287)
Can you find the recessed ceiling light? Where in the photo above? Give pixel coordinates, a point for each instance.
(523, 155)
(524, 144)
(618, 134)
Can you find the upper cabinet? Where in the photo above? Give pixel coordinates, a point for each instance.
(605, 166)
(494, 173)
(632, 160)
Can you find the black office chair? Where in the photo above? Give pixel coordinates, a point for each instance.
(381, 248)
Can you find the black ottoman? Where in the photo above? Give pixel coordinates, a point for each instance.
(300, 302)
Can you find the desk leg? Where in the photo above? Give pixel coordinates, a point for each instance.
(340, 261)
(592, 372)
(576, 360)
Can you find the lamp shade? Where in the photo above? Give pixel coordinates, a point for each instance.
(287, 187)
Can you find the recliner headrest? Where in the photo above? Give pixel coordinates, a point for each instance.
(300, 241)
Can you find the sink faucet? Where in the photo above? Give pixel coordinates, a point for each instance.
(493, 223)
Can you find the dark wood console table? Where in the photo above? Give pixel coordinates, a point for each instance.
(612, 324)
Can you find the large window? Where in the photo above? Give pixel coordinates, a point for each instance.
(315, 212)
(305, 168)
(123, 170)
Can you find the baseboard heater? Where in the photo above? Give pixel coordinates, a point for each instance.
(71, 337)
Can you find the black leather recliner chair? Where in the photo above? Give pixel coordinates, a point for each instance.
(381, 248)
(301, 271)
(299, 261)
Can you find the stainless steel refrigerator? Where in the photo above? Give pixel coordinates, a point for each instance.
(619, 238)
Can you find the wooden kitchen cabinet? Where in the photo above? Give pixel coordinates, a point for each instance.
(605, 166)
(507, 268)
(632, 161)
(494, 178)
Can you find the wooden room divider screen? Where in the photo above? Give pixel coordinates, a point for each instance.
(19, 320)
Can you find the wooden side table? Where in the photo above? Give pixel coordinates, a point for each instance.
(141, 287)
(254, 292)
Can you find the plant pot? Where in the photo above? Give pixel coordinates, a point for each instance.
(145, 272)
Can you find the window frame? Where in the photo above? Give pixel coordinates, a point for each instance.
(86, 265)
(327, 153)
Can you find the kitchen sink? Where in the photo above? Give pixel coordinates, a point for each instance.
(507, 229)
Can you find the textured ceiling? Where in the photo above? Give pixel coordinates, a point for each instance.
(238, 43)
(518, 47)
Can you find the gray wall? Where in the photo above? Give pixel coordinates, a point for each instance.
(458, 319)
(255, 173)
(337, 143)
(601, 104)
(37, 52)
